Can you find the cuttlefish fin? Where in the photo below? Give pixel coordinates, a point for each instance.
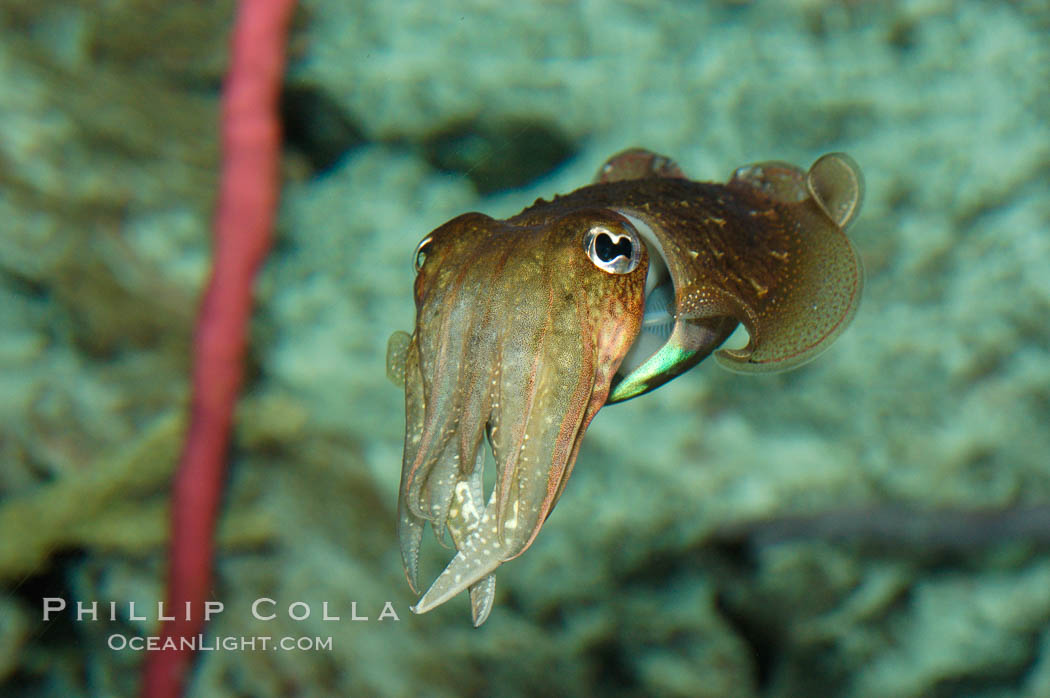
(637, 163)
(815, 276)
(836, 183)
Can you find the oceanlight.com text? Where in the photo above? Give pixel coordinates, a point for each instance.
(204, 643)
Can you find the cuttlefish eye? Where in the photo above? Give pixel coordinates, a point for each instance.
(420, 256)
(615, 250)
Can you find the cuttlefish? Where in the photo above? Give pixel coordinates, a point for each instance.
(526, 327)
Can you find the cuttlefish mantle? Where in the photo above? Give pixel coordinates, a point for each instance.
(526, 327)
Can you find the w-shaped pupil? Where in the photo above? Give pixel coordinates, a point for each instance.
(607, 250)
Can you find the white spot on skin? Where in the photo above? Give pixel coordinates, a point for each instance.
(512, 523)
(471, 515)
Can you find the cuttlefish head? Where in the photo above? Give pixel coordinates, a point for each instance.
(519, 332)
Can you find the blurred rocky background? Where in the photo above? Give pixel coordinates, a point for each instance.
(872, 524)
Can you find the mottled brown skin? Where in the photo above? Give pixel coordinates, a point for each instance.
(520, 332)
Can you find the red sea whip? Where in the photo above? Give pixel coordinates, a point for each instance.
(243, 231)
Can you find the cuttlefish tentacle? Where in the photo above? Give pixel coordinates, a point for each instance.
(526, 327)
(464, 518)
(464, 514)
(435, 409)
(457, 391)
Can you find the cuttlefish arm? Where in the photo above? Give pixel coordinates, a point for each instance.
(519, 332)
(467, 507)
